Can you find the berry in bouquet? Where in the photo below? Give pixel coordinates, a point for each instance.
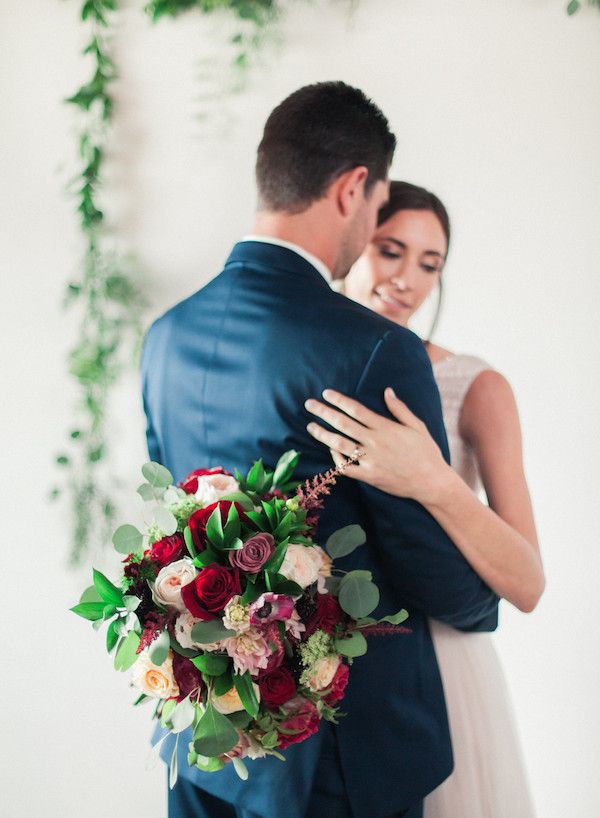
(230, 617)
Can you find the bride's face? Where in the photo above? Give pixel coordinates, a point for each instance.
(400, 266)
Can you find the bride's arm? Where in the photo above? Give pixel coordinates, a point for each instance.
(499, 541)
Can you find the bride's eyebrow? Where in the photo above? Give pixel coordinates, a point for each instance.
(403, 246)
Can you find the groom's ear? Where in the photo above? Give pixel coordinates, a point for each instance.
(349, 190)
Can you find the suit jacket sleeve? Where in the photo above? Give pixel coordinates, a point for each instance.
(151, 434)
(430, 573)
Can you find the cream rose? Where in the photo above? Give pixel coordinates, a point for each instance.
(230, 702)
(170, 580)
(301, 565)
(322, 673)
(154, 680)
(211, 487)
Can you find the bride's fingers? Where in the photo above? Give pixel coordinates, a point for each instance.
(336, 419)
(340, 460)
(333, 441)
(400, 410)
(352, 408)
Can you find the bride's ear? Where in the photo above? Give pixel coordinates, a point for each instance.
(349, 190)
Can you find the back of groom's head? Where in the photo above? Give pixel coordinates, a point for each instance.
(314, 136)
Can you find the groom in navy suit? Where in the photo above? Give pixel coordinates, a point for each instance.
(225, 376)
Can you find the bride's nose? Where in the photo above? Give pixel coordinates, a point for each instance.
(400, 282)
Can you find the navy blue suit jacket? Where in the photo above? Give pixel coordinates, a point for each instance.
(225, 376)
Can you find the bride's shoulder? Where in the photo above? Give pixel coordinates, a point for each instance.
(437, 353)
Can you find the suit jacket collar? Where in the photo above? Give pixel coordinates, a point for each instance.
(274, 258)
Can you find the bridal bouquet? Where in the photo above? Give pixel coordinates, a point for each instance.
(228, 614)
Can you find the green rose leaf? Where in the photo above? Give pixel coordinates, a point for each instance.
(108, 592)
(213, 664)
(89, 610)
(214, 528)
(210, 631)
(165, 520)
(358, 595)
(239, 497)
(353, 645)
(127, 539)
(285, 467)
(112, 637)
(245, 688)
(282, 585)
(187, 536)
(275, 561)
(223, 683)
(157, 475)
(397, 618)
(159, 649)
(345, 541)
(214, 734)
(240, 719)
(126, 655)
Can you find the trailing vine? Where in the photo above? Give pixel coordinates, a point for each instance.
(108, 299)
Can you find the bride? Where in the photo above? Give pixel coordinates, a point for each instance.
(398, 270)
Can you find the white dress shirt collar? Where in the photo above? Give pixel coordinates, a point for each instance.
(316, 262)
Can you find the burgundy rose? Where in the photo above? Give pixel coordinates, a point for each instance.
(338, 685)
(199, 519)
(277, 688)
(168, 549)
(253, 554)
(327, 615)
(190, 483)
(303, 716)
(187, 676)
(212, 589)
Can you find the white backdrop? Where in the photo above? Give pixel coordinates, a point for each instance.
(495, 105)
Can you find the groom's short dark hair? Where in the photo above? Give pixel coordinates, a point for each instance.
(315, 135)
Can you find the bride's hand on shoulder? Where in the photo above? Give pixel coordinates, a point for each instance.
(398, 456)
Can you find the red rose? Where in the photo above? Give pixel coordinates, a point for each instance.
(327, 615)
(168, 549)
(277, 687)
(199, 519)
(338, 685)
(187, 676)
(211, 591)
(303, 716)
(190, 483)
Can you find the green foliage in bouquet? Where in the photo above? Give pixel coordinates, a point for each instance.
(575, 5)
(266, 598)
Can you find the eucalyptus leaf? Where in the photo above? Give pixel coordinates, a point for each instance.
(157, 475)
(213, 664)
(353, 645)
(165, 520)
(173, 765)
(126, 655)
(159, 649)
(148, 493)
(212, 630)
(345, 541)
(397, 618)
(167, 709)
(358, 596)
(154, 753)
(127, 539)
(332, 583)
(183, 715)
(240, 768)
(214, 734)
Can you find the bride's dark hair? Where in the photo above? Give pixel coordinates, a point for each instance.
(404, 196)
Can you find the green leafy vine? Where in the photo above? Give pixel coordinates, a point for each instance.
(108, 298)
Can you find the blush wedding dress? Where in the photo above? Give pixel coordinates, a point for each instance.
(489, 779)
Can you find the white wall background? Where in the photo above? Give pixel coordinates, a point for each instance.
(495, 105)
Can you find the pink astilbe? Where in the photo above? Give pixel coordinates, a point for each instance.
(384, 629)
(310, 494)
(154, 624)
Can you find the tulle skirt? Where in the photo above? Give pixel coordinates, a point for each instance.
(489, 779)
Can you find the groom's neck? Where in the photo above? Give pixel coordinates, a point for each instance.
(310, 230)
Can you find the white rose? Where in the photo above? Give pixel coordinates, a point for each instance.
(323, 672)
(170, 580)
(154, 680)
(301, 565)
(183, 633)
(211, 487)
